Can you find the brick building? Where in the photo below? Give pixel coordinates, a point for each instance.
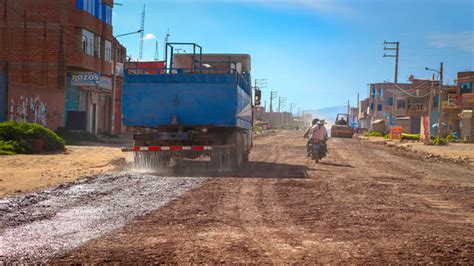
(460, 103)
(403, 103)
(57, 63)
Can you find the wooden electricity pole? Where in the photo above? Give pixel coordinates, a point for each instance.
(394, 89)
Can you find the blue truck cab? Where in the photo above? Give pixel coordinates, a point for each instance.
(198, 102)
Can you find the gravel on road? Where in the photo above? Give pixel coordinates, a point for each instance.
(38, 226)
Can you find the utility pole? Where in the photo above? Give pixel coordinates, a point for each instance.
(393, 46)
(439, 95)
(430, 105)
(156, 52)
(440, 98)
(396, 49)
(281, 103)
(358, 107)
(273, 96)
(167, 40)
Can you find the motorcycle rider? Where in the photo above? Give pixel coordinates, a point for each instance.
(308, 135)
(319, 132)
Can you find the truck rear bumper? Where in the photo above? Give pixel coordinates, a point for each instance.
(175, 148)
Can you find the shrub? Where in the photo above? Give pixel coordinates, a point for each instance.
(258, 129)
(21, 137)
(437, 141)
(375, 134)
(406, 136)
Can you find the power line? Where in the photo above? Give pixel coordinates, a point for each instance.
(396, 49)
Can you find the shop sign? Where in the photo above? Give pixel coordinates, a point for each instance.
(417, 106)
(145, 68)
(396, 133)
(451, 102)
(105, 83)
(85, 78)
(468, 99)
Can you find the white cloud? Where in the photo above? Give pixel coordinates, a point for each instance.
(462, 40)
(149, 36)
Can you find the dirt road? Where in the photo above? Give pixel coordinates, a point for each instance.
(362, 204)
(27, 173)
(365, 203)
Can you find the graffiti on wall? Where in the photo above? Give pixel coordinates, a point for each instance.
(26, 109)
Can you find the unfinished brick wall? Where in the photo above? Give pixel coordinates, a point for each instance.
(38, 40)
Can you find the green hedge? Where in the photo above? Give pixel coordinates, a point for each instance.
(375, 134)
(20, 137)
(406, 136)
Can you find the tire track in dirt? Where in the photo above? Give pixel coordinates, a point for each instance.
(358, 206)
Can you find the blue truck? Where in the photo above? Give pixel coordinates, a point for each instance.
(196, 105)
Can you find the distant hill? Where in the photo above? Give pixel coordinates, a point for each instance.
(329, 114)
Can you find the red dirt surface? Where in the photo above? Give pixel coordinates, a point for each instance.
(364, 203)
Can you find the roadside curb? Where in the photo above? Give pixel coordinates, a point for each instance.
(408, 147)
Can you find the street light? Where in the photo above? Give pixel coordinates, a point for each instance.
(114, 76)
(130, 33)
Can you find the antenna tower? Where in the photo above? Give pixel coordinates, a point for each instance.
(142, 34)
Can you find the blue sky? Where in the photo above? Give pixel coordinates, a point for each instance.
(316, 53)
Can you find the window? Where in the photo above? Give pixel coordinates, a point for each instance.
(374, 92)
(401, 104)
(389, 101)
(106, 13)
(108, 51)
(96, 8)
(466, 87)
(87, 41)
(380, 92)
(97, 44)
(379, 107)
(371, 106)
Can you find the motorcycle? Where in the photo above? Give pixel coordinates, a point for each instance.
(317, 150)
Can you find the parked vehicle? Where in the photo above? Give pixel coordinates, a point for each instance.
(198, 105)
(341, 128)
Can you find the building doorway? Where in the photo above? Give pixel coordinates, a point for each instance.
(3, 91)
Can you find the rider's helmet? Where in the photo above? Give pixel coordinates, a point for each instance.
(315, 121)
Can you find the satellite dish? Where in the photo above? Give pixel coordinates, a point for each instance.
(411, 78)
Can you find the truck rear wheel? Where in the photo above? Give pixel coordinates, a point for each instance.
(237, 153)
(246, 157)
